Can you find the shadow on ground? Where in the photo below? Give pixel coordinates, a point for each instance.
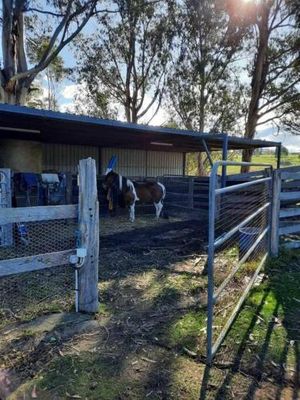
(260, 357)
(148, 340)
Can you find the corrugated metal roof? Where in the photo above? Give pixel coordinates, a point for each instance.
(51, 126)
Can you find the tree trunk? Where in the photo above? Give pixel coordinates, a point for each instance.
(258, 82)
(17, 97)
(201, 171)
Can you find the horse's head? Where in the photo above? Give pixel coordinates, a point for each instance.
(111, 187)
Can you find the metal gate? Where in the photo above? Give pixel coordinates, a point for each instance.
(43, 242)
(239, 236)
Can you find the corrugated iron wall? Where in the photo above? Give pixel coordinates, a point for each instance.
(164, 163)
(143, 163)
(129, 162)
(65, 157)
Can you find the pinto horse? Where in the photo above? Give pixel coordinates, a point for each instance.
(125, 193)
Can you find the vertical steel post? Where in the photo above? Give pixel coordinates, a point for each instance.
(224, 158)
(278, 153)
(210, 261)
(275, 213)
(183, 164)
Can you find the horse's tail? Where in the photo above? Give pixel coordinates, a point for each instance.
(164, 214)
(163, 188)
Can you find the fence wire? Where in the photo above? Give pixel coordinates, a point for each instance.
(33, 293)
(239, 242)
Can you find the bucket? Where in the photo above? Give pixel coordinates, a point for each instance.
(247, 237)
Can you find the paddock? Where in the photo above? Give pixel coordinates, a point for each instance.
(162, 294)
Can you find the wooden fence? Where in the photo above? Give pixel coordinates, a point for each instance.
(86, 213)
(286, 209)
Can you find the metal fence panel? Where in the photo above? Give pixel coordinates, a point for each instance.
(238, 245)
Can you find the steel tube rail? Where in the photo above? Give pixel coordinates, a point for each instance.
(240, 263)
(213, 243)
(221, 239)
(243, 185)
(210, 263)
(232, 317)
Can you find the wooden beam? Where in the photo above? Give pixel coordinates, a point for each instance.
(290, 174)
(289, 212)
(34, 263)
(292, 245)
(289, 229)
(40, 213)
(290, 196)
(89, 232)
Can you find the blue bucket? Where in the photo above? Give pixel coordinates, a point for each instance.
(247, 236)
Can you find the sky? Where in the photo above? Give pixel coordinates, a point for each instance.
(267, 132)
(69, 88)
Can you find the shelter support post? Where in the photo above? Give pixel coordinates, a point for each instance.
(224, 158)
(89, 236)
(184, 164)
(278, 155)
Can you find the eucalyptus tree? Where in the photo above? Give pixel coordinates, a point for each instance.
(54, 73)
(274, 68)
(204, 90)
(63, 19)
(128, 56)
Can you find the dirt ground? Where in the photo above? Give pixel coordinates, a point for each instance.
(148, 340)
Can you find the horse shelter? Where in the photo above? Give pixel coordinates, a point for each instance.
(204, 258)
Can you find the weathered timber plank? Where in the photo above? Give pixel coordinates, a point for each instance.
(292, 245)
(290, 196)
(289, 212)
(290, 175)
(292, 228)
(34, 263)
(293, 184)
(89, 230)
(40, 213)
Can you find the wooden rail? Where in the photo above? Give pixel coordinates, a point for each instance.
(286, 208)
(34, 263)
(87, 214)
(40, 213)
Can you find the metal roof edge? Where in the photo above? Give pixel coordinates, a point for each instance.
(57, 115)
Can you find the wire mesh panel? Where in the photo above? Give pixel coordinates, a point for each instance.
(239, 228)
(5, 202)
(23, 294)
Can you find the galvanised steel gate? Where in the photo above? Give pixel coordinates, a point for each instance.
(239, 236)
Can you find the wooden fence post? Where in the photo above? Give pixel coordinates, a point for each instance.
(89, 231)
(275, 212)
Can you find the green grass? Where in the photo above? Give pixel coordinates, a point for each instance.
(286, 161)
(262, 343)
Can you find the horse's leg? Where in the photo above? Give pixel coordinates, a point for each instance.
(158, 208)
(132, 212)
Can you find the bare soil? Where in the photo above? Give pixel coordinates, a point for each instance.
(148, 340)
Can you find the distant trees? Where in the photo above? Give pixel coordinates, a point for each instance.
(203, 90)
(126, 58)
(215, 65)
(54, 72)
(274, 70)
